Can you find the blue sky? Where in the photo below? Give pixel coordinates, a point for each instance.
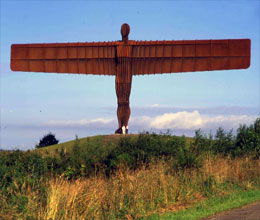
(32, 104)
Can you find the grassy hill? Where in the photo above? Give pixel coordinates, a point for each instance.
(131, 177)
(100, 141)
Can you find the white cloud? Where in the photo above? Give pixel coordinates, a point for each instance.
(158, 109)
(156, 106)
(193, 120)
(227, 121)
(102, 122)
(181, 120)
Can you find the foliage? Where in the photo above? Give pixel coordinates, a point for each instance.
(246, 141)
(203, 142)
(127, 193)
(133, 153)
(248, 138)
(47, 140)
(175, 169)
(224, 142)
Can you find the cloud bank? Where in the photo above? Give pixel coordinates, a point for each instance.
(98, 122)
(182, 120)
(178, 122)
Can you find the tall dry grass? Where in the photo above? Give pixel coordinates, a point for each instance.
(132, 194)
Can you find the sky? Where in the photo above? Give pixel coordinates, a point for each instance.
(33, 104)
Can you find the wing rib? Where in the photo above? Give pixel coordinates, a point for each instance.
(190, 56)
(82, 58)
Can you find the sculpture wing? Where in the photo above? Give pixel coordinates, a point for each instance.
(83, 58)
(150, 57)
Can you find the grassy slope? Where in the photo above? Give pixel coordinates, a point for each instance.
(200, 210)
(94, 141)
(99, 140)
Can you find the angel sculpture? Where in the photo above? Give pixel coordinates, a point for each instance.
(126, 58)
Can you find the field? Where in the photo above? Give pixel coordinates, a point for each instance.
(145, 176)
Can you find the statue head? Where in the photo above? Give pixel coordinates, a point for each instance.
(125, 30)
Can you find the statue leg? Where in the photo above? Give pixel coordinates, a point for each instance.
(123, 89)
(123, 110)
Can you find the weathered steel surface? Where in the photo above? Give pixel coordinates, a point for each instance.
(149, 57)
(86, 58)
(127, 58)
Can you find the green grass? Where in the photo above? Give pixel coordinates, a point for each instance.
(200, 210)
(213, 205)
(99, 141)
(140, 176)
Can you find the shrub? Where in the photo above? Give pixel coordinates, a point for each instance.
(141, 151)
(224, 142)
(246, 141)
(47, 140)
(186, 158)
(202, 142)
(248, 138)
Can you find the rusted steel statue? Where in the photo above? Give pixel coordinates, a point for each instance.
(127, 58)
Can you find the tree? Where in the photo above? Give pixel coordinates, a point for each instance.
(224, 141)
(47, 140)
(248, 137)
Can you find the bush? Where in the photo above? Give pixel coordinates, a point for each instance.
(186, 158)
(246, 141)
(47, 140)
(224, 142)
(248, 138)
(141, 151)
(202, 142)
